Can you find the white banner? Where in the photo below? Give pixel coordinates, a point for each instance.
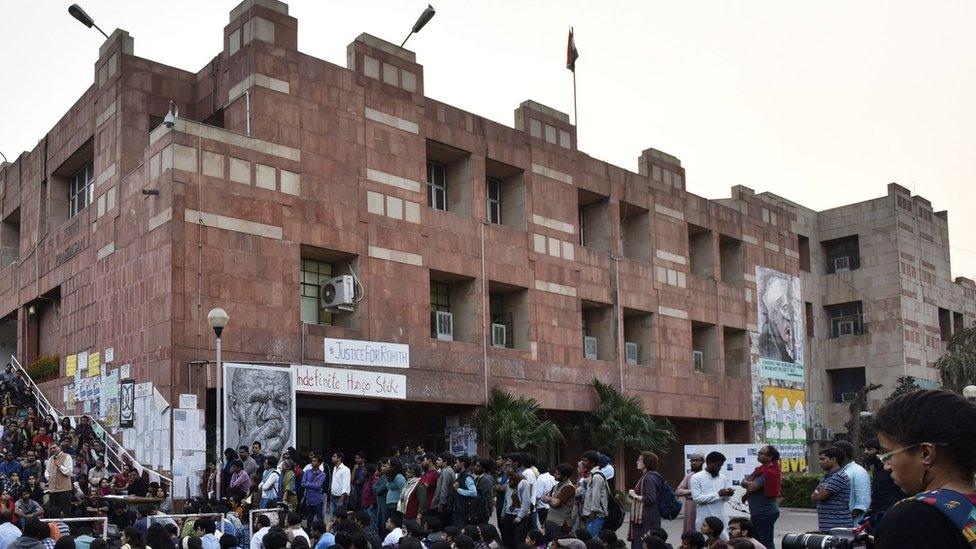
(354, 352)
(339, 381)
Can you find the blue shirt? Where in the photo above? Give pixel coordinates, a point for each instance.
(860, 486)
(835, 511)
(327, 540)
(210, 541)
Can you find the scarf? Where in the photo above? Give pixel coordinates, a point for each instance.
(772, 478)
(637, 505)
(405, 494)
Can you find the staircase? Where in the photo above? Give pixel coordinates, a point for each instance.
(115, 454)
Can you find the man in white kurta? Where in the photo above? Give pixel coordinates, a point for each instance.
(710, 489)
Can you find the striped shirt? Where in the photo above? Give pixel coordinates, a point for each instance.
(835, 511)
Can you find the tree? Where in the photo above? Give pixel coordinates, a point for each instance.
(856, 426)
(506, 422)
(958, 365)
(620, 421)
(906, 384)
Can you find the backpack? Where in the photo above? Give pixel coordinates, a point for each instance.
(954, 506)
(667, 503)
(615, 513)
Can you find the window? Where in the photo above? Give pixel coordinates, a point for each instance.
(81, 189)
(436, 186)
(493, 196)
(313, 275)
(501, 316)
(845, 383)
(10, 239)
(846, 319)
(958, 324)
(803, 245)
(504, 194)
(842, 254)
(640, 336)
(705, 347)
(440, 300)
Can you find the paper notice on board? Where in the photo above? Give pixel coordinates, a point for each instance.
(188, 401)
(70, 365)
(159, 401)
(94, 365)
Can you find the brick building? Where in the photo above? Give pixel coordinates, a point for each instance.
(283, 171)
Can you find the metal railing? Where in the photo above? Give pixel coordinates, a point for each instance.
(219, 523)
(112, 446)
(103, 520)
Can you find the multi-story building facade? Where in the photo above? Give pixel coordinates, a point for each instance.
(502, 256)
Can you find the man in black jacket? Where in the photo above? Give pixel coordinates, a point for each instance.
(884, 491)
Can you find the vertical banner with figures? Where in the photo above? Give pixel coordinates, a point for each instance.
(127, 403)
(259, 405)
(778, 357)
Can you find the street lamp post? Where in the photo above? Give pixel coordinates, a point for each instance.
(218, 318)
(426, 16)
(85, 19)
(969, 392)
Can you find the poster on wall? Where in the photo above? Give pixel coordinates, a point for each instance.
(780, 414)
(259, 405)
(781, 330)
(127, 403)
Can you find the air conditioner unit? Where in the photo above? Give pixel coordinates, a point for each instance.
(698, 359)
(499, 337)
(845, 328)
(848, 397)
(830, 434)
(338, 293)
(589, 347)
(631, 349)
(444, 325)
(842, 264)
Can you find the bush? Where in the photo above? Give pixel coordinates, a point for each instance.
(44, 368)
(797, 490)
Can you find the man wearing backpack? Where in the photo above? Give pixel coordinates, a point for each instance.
(596, 496)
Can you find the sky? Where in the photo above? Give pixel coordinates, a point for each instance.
(823, 103)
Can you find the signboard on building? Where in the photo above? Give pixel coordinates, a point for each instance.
(354, 352)
(340, 381)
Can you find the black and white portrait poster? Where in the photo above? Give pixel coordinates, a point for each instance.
(259, 406)
(127, 403)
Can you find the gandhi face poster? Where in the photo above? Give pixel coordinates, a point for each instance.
(259, 406)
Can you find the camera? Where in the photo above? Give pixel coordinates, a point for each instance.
(840, 538)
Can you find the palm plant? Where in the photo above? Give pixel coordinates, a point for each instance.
(506, 422)
(619, 421)
(958, 364)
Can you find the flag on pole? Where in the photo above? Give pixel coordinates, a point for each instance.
(571, 54)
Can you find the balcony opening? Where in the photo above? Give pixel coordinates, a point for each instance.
(449, 184)
(10, 239)
(509, 312)
(958, 324)
(730, 252)
(808, 317)
(704, 347)
(845, 383)
(640, 337)
(328, 289)
(453, 307)
(701, 252)
(504, 195)
(803, 247)
(736, 349)
(846, 319)
(635, 232)
(945, 324)
(842, 254)
(594, 220)
(599, 339)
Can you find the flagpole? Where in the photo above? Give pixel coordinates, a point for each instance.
(575, 115)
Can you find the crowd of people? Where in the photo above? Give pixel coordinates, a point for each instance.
(415, 499)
